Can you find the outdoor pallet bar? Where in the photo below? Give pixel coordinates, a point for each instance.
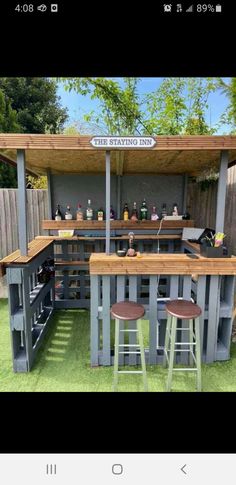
(88, 273)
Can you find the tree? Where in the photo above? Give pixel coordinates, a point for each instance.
(178, 106)
(166, 108)
(198, 94)
(119, 109)
(36, 102)
(28, 105)
(8, 123)
(229, 90)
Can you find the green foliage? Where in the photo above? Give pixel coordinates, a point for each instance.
(36, 182)
(166, 108)
(177, 106)
(8, 176)
(36, 102)
(229, 90)
(71, 130)
(28, 105)
(198, 93)
(120, 111)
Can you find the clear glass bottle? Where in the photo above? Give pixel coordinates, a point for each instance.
(175, 210)
(154, 215)
(80, 213)
(68, 214)
(143, 211)
(100, 214)
(112, 214)
(126, 212)
(58, 214)
(134, 214)
(89, 211)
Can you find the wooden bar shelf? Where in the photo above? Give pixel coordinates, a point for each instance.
(139, 225)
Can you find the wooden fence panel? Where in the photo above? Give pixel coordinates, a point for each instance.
(37, 211)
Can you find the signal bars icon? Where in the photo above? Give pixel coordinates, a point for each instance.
(190, 9)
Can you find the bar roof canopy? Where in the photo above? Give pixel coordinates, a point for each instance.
(74, 154)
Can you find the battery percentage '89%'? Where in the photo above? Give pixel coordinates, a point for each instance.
(205, 8)
(24, 8)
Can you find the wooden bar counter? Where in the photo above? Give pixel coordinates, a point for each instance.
(151, 279)
(167, 264)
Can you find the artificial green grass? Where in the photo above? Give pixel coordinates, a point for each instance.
(63, 363)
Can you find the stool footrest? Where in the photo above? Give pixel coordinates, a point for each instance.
(185, 343)
(128, 330)
(130, 352)
(130, 372)
(129, 345)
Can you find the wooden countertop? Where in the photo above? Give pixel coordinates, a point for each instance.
(155, 264)
(35, 247)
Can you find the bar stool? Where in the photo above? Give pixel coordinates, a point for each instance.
(126, 311)
(185, 310)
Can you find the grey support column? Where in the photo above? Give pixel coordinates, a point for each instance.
(108, 201)
(221, 194)
(185, 192)
(118, 202)
(22, 203)
(49, 190)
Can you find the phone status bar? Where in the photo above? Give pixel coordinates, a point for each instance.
(199, 8)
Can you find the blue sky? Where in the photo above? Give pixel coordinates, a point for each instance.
(79, 105)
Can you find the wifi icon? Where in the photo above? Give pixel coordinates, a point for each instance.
(190, 9)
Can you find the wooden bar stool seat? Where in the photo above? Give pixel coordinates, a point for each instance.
(184, 310)
(128, 311)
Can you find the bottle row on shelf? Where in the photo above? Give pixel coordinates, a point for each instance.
(133, 215)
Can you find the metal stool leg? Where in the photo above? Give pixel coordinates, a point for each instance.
(191, 342)
(172, 352)
(142, 354)
(167, 341)
(116, 357)
(198, 354)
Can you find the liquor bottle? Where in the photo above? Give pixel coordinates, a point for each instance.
(89, 211)
(134, 215)
(68, 214)
(112, 214)
(126, 212)
(80, 214)
(154, 215)
(175, 209)
(163, 211)
(143, 211)
(58, 214)
(100, 214)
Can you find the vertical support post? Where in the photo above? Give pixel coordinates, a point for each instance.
(22, 203)
(221, 193)
(108, 199)
(118, 201)
(49, 190)
(94, 320)
(185, 192)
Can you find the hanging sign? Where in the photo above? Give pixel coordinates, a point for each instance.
(115, 142)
